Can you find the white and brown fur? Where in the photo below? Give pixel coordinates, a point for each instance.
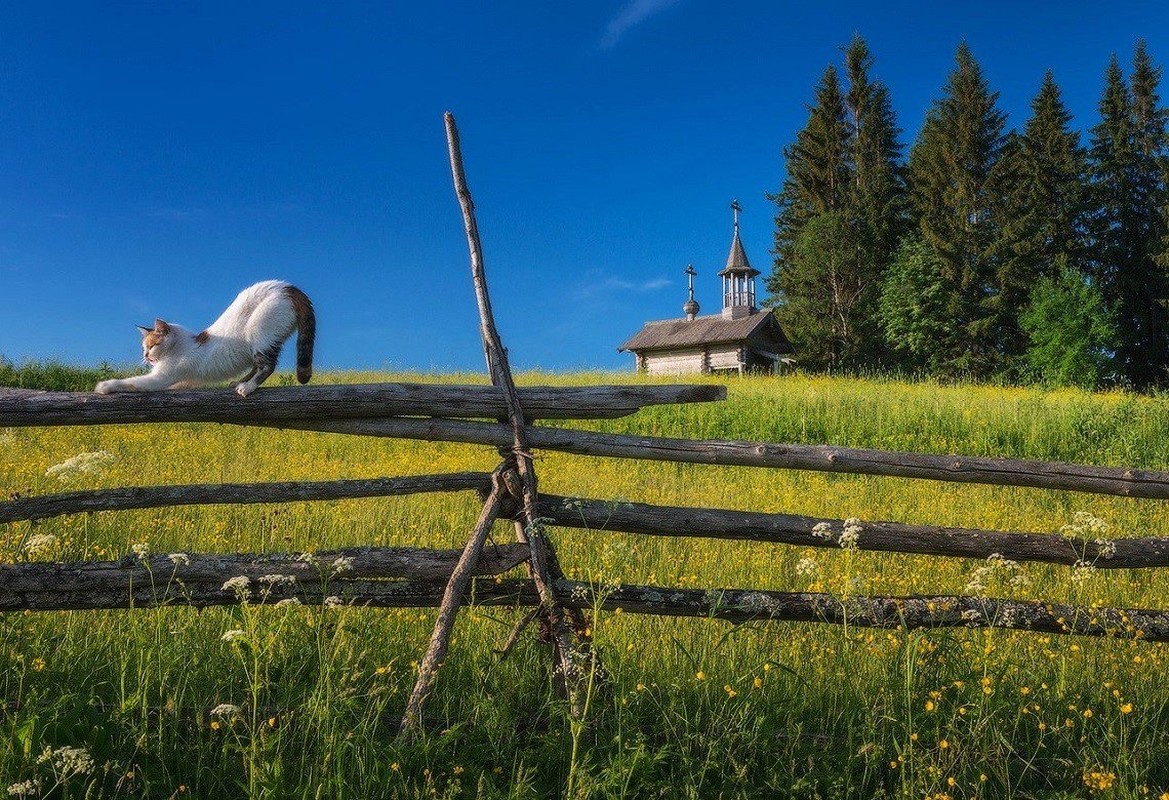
(247, 337)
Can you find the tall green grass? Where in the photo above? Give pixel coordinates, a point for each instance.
(52, 375)
(690, 708)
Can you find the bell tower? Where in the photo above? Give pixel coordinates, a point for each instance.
(738, 277)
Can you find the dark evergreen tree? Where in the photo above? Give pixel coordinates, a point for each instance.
(822, 295)
(842, 166)
(818, 171)
(950, 180)
(1128, 154)
(876, 203)
(1042, 211)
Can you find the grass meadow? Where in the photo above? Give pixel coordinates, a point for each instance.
(692, 708)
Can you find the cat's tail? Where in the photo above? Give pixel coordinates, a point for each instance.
(306, 332)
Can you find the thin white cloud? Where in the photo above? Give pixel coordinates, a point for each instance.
(655, 283)
(607, 285)
(635, 13)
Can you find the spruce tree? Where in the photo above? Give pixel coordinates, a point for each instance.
(818, 179)
(950, 181)
(1042, 211)
(818, 171)
(875, 205)
(842, 176)
(1128, 155)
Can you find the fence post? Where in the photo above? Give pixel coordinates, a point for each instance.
(542, 553)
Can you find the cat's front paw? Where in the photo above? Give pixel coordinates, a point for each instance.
(104, 387)
(245, 388)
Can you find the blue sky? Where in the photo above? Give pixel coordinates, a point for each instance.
(155, 158)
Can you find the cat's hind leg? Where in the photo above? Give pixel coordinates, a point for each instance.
(264, 364)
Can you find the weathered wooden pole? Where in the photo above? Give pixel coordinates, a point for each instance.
(451, 599)
(530, 529)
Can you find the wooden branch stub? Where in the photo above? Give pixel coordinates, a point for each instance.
(29, 408)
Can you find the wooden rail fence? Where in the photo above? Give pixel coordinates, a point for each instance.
(411, 577)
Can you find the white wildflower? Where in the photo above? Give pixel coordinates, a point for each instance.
(179, 559)
(807, 567)
(977, 582)
(971, 616)
(851, 535)
(1085, 526)
(997, 566)
(239, 584)
(232, 635)
(822, 530)
(81, 464)
(73, 760)
(142, 550)
(288, 601)
(68, 761)
(224, 710)
(333, 601)
(1107, 548)
(342, 564)
(41, 543)
(23, 788)
(1082, 571)
(276, 580)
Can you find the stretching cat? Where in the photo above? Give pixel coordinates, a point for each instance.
(246, 337)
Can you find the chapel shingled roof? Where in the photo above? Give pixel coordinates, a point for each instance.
(711, 329)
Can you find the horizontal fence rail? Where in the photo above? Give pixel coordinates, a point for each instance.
(108, 585)
(27, 408)
(131, 497)
(926, 611)
(1120, 481)
(889, 537)
(202, 580)
(638, 518)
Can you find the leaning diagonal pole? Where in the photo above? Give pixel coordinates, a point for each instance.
(542, 555)
(451, 599)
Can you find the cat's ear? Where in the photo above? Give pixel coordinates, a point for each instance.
(144, 329)
(161, 327)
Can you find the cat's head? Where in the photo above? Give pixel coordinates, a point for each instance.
(157, 341)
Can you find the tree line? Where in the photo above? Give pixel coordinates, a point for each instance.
(987, 252)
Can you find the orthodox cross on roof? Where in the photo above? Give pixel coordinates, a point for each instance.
(690, 307)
